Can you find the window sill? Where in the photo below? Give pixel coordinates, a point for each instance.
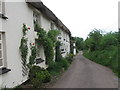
(39, 60)
(3, 16)
(4, 70)
(62, 52)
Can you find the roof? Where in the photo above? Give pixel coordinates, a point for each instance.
(49, 14)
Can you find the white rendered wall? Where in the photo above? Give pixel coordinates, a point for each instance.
(18, 13)
(13, 29)
(65, 44)
(45, 23)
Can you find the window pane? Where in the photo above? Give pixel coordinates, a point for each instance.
(0, 6)
(0, 36)
(0, 54)
(0, 46)
(1, 62)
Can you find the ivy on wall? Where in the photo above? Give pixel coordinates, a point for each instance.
(58, 55)
(32, 56)
(48, 40)
(24, 49)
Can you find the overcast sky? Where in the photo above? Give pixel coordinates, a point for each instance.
(82, 16)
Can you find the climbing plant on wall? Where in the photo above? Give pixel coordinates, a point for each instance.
(58, 55)
(24, 48)
(48, 41)
(32, 56)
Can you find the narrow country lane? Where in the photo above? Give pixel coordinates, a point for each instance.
(84, 73)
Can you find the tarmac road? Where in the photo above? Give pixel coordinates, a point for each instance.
(84, 73)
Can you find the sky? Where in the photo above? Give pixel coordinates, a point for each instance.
(82, 16)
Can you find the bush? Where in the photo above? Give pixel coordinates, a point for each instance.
(44, 76)
(69, 58)
(37, 83)
(64, 63)
(38, 76)
(33, 70)
(55, 68)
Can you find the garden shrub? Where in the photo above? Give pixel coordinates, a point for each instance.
(63, 63)
(38, 76)
(69, 57)
(37, 83)
(55, 68)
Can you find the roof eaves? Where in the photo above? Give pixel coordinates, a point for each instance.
(49, 14)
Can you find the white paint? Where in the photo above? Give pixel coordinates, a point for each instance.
(13, 31)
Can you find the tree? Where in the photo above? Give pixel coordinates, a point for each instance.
(79, 43)
(94, 39)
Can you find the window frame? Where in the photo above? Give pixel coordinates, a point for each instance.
(2, 7)
(2, 57)
(38, 18)
(2, 10)
(52, 26)
(3, 67)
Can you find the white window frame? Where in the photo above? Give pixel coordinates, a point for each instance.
(36, 17)
(1, 49)
(52, 26)
(2, 6)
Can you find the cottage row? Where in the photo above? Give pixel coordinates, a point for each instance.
(12, 17)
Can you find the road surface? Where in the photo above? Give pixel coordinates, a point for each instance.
(84, 73)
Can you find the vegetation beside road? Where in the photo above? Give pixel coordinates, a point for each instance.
(103, 49)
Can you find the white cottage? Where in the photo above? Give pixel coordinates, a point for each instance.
(12, 17)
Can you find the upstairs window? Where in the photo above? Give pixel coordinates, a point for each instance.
(52, 26)
(36, 20)
(59, 37)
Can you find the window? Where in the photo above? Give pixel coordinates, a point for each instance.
(59, 37)
(39, 57)
(1, 50)
(36, 19)
(2, 10)
(3, 64)
(52, 26)
(2, 7)
(38, 51)
(62, 49)
(38, 48)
